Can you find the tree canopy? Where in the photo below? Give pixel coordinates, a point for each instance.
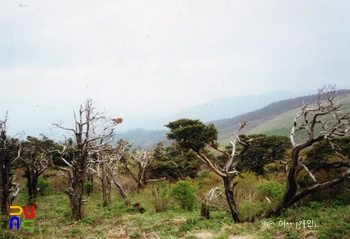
(191, 134)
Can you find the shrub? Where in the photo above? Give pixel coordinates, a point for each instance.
(42, 185)
(246, 189)
(249, 209)
(271, 189)
(184, 193)
(161, 193)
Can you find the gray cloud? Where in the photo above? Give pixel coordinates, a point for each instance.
(151, 58)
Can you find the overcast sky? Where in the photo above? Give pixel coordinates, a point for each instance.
(153, 58)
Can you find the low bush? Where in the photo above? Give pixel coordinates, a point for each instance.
(42, 185)
(271, 189)
(184, 193)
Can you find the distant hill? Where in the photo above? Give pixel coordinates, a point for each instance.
(221, 108)
(273, 119)
(143, 138)
(148, 132)
(229, 107)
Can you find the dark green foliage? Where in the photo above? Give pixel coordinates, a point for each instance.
(328, 159)
(36, 157)
(338, 194)
(42, 185)
(174, 163)
(191, 134)
(263, 150)
(184, 193)
(272, 189)
(325, 152)
(41, 146)
(204, 174)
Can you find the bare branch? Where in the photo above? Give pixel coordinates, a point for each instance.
(65, 175)
(210, 164)
(155, 180)
(66, 162)
(310, 174)
(61, 127)
(18, 154)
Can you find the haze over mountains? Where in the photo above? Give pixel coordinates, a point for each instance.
(145, 132)
(222, 108)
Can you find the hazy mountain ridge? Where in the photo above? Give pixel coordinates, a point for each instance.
(226, 127)
(222, 108)
(257, 118)
(142, 137)
(148, 132)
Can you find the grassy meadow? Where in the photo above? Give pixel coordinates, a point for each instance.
(165, 218)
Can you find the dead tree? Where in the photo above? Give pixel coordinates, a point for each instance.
(90, 127)
(105, 165)
(323, 121)
(10, 151)
(144, 160)
(229, 171)
(205, 206)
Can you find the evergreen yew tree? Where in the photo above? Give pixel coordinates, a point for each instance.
(194, 135)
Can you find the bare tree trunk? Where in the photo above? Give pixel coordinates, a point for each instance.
(205, 210)
(5, 189)
(292, 185)
(229, 186)
(144, 160)
(120, 188)
(90, 127)
(288, 202)
(141, 178)
(75, 193)
(32, 181)
(90, 186)
(106, 186)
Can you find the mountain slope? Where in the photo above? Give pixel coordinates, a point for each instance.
(144, 138)
(221, 108)
(273, 119)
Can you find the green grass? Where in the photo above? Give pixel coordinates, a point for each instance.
(53, 219)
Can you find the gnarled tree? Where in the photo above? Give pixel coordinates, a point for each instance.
(90, 128)
(174, 163)
(105, 165)
(143, 160)
(320, 122)
(194, 135)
